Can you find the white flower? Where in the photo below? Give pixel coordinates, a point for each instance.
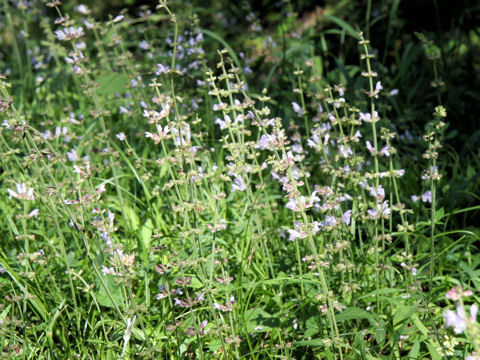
(72, 155)
(346, 217)
(108, 271)
(22, 192)
(121, 136)
(118, 18)
(82, 9)
(427, 197)
(370, 147)
(162, 69)
(33, 213)
(143, 45)
(346, 151)
(238, 184)
(298, 110)
(456, 320)
(69, 33)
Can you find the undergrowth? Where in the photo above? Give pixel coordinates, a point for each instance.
(165, 197)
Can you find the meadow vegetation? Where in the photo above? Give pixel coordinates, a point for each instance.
(181, 181)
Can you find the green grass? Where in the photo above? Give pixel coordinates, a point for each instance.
(200, 195)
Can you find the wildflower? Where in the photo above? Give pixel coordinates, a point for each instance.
(370, 148)
(367, 117)
(297, 205)
(238, 184)
(457, 293)
(220, 106)
(118, 18)
(161, 69)
(456, 320)
(33, 213)
(108, 271)
(224, 124)
(330, 221)
(298, 110)
(82, 9)
(72, 155)
(296, 234)
(69, 33)
(394, 92)
(427, 197)
(22, 192)
(378, 87)
(346, 217)
(378, 193)
(121, 136)
(346, 151)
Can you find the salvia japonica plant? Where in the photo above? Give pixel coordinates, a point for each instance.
(158, 203)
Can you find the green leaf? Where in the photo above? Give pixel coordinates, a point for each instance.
(259, 317)
(112, 83)
(439, 214)
(381, 331)
(346, 27)
(132, 217)
(146, 234)
(413, 354)
(313, 342)
(403, 313)
(433, 351)
(114, 290)
(4, 313)
(354, 313)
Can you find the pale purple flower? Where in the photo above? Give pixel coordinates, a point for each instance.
(370, 148)
(427, 197)
(22, 192)
(108, 271)
(144, 45)
(118, 18)
(121, 136)
(346, 151)
(69, 33)
(162, 69)
(346, 217)
(34, 213)
(456, 320)
(82, 9)
(220, 106)
(238, 184)
(298, 110)
(224, 124)
(72, 155)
